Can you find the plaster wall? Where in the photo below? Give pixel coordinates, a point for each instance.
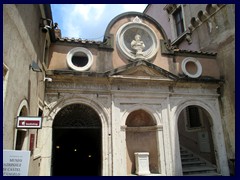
(58, 56)
(157, 11)
(20, 48)
(210, 67)
(104, 60)
(30, 16)
(227, 101)
(141, 142)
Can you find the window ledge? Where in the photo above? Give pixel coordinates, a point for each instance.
(186, 35)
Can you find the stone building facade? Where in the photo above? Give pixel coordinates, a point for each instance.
(207, 27)
(134, 92)
(24, 44)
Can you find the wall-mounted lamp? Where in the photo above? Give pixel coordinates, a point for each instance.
(35, 67)
(46, 25)
(48, 79)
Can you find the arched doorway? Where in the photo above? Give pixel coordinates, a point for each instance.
(195, 137)
(141, 136)
(77, 143)
(21, 135)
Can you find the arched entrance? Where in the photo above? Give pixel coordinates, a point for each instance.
(195, 138)
(77, 143)
(21, 135)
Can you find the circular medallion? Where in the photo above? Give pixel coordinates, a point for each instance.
(136, 40)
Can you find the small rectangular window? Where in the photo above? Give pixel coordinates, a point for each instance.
(193, 117)
(178, 18)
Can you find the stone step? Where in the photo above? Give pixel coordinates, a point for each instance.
(204, 174)
(198, 169)
(193, 163)
(183, 151)
(187, 155)
(189, 158)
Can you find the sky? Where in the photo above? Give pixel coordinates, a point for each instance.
(88, 21)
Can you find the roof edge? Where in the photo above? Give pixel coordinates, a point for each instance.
(132, 13)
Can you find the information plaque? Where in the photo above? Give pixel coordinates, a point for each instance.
(15, 163)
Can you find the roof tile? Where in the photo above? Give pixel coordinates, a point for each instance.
(78, 40)
(194, 52)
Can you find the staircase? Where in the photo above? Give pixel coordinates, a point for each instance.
(193, 165)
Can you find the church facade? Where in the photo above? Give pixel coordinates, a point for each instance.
(139, 96)
(107, 102)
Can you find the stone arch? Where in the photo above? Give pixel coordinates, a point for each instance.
(78, 119)
(195, 132)
(210, 9)
(156, 117)
(217, 133)
(194, 22)
(79, 100)
(49, 115)
(77, 140)
(145, 126)
(185, 103)
(23, 104)
(201, 16)
(139, 118)
(21, 135)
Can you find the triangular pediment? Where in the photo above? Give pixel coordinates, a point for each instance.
(142, 68)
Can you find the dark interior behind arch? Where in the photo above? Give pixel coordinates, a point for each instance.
(77, 142)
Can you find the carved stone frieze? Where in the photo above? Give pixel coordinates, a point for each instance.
(147, 87)
(75, 86)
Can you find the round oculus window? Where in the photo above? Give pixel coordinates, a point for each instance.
(191, 67)
(79, 59)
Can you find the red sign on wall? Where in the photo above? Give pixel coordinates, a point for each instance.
(29, 122)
